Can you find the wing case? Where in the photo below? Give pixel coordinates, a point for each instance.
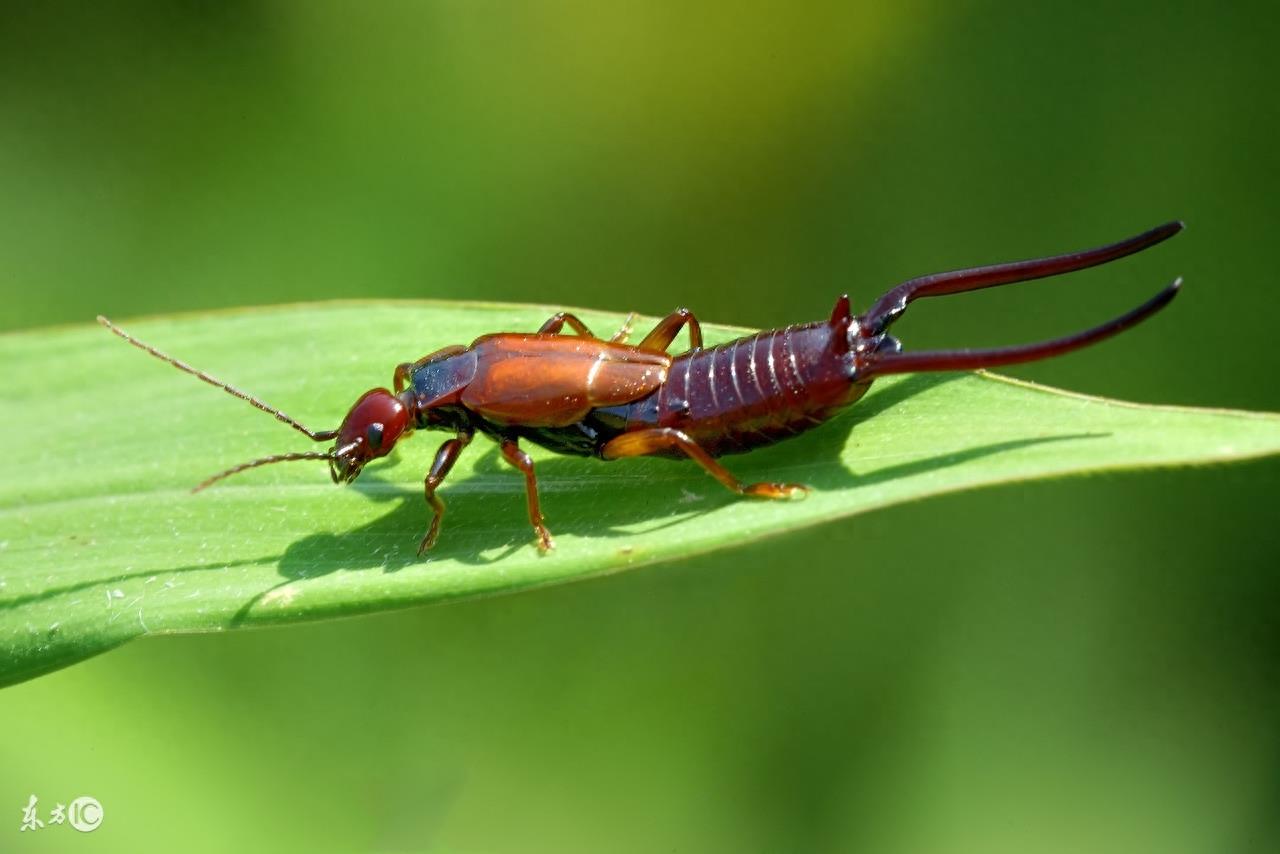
(555, 380)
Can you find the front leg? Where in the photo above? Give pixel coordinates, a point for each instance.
(511, 453)
(446, 456)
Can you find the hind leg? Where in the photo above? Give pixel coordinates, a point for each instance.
(643, 443)
(669, 327)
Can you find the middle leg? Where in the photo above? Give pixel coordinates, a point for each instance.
(511, 453)
(557, 322)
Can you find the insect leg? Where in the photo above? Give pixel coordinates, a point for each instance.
(446, 456)
(557, 322)
(404, 371)
(646, 442)
(621, 336)
(511, 453)
(669, 327)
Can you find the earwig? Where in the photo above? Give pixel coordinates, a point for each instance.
(580, 394)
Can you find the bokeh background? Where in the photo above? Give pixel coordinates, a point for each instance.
(1088, 665)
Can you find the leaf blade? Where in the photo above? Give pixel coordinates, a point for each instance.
(103, 543)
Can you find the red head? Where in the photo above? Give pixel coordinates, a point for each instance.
(369, 431)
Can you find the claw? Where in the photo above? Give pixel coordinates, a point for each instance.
(430, 539)
(782, 491)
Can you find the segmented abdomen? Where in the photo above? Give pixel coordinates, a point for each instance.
(752, 391)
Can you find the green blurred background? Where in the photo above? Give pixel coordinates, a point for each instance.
(1089, 665)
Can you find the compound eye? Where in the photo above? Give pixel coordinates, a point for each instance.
(374, 436)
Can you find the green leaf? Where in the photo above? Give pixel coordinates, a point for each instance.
(101, 540)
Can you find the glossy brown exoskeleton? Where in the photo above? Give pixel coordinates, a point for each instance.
(579, 394)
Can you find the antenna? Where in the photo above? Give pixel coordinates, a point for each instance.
(261, 461)
(314, 435)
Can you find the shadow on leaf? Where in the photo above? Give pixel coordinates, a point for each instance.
(577, 501)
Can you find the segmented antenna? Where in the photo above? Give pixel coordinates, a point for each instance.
(276, 458)
(314, 435)
(261, 461)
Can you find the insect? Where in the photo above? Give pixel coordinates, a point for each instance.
(580, 394)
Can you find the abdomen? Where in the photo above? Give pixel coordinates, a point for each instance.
(746, 393)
